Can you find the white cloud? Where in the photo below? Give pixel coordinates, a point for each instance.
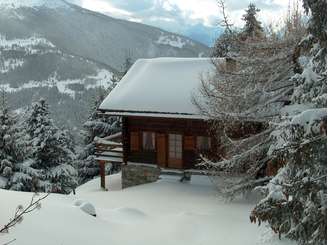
(104, 6)
(186, 16)
(198, 10)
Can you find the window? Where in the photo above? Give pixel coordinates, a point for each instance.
(148, 141)
(175, 146)
(203, 143)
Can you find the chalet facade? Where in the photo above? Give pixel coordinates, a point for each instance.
(161, 125)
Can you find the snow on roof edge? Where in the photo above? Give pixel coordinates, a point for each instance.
(153, 114)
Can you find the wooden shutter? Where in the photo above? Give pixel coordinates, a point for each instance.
(161, 149)
(134, 141)
(189, 143)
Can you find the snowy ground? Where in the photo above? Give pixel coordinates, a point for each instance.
(165, 212)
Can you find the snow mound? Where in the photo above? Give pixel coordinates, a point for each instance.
(86, 207)
(78, 203)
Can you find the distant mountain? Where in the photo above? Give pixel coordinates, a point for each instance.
(54, 45)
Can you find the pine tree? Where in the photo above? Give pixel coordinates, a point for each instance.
(48, 166)
(281, 81)
(252, 28)
(318, 20)
(296, 198)
(10, 151)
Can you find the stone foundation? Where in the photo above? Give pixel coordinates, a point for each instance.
(138, 174)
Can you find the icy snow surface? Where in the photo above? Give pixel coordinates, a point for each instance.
(162, 85)
(165, 212)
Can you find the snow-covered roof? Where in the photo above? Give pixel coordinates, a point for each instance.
(160, 87)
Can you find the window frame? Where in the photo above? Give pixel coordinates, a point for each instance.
(153, 141)
(175, 154)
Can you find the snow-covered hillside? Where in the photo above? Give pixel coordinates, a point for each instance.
(91, 35)
(33, 3)
(61, 52)
(165, 212)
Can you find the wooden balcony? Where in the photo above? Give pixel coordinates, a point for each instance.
(108, 151)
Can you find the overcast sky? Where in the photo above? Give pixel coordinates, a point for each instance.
(197, 19)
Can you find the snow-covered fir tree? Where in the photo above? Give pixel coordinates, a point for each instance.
(232, 39)
(48, 165)
(252, 28)
(10, 150)
(296, 198)
(280, 83)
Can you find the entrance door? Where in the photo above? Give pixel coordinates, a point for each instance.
(161, 150)
(175, 151)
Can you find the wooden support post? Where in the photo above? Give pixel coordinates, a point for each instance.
(125, 139)
(102, 174)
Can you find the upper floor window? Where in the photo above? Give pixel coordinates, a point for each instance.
(148, 141)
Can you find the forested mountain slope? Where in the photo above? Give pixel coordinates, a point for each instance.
(55, 44)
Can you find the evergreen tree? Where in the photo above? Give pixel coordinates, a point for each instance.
(48, 166)
(252, 28)
(10, 151)
(296, 198)
(318, 20)
(283, 82)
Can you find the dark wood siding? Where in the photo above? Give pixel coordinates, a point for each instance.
(189, 128)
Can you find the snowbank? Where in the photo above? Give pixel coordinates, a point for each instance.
(165, 212)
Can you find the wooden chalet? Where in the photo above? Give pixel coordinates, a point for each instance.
(161, 125)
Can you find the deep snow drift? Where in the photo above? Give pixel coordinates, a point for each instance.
(165, 212)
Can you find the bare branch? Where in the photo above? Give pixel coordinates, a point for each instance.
(20, 212)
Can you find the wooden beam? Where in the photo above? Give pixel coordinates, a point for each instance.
(102, 174)
(125, 139)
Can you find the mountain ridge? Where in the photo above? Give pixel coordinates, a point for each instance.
(65, 54)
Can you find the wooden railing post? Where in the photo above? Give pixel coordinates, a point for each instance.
(102, 174)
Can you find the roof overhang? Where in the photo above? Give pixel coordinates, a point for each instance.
(125, 113)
